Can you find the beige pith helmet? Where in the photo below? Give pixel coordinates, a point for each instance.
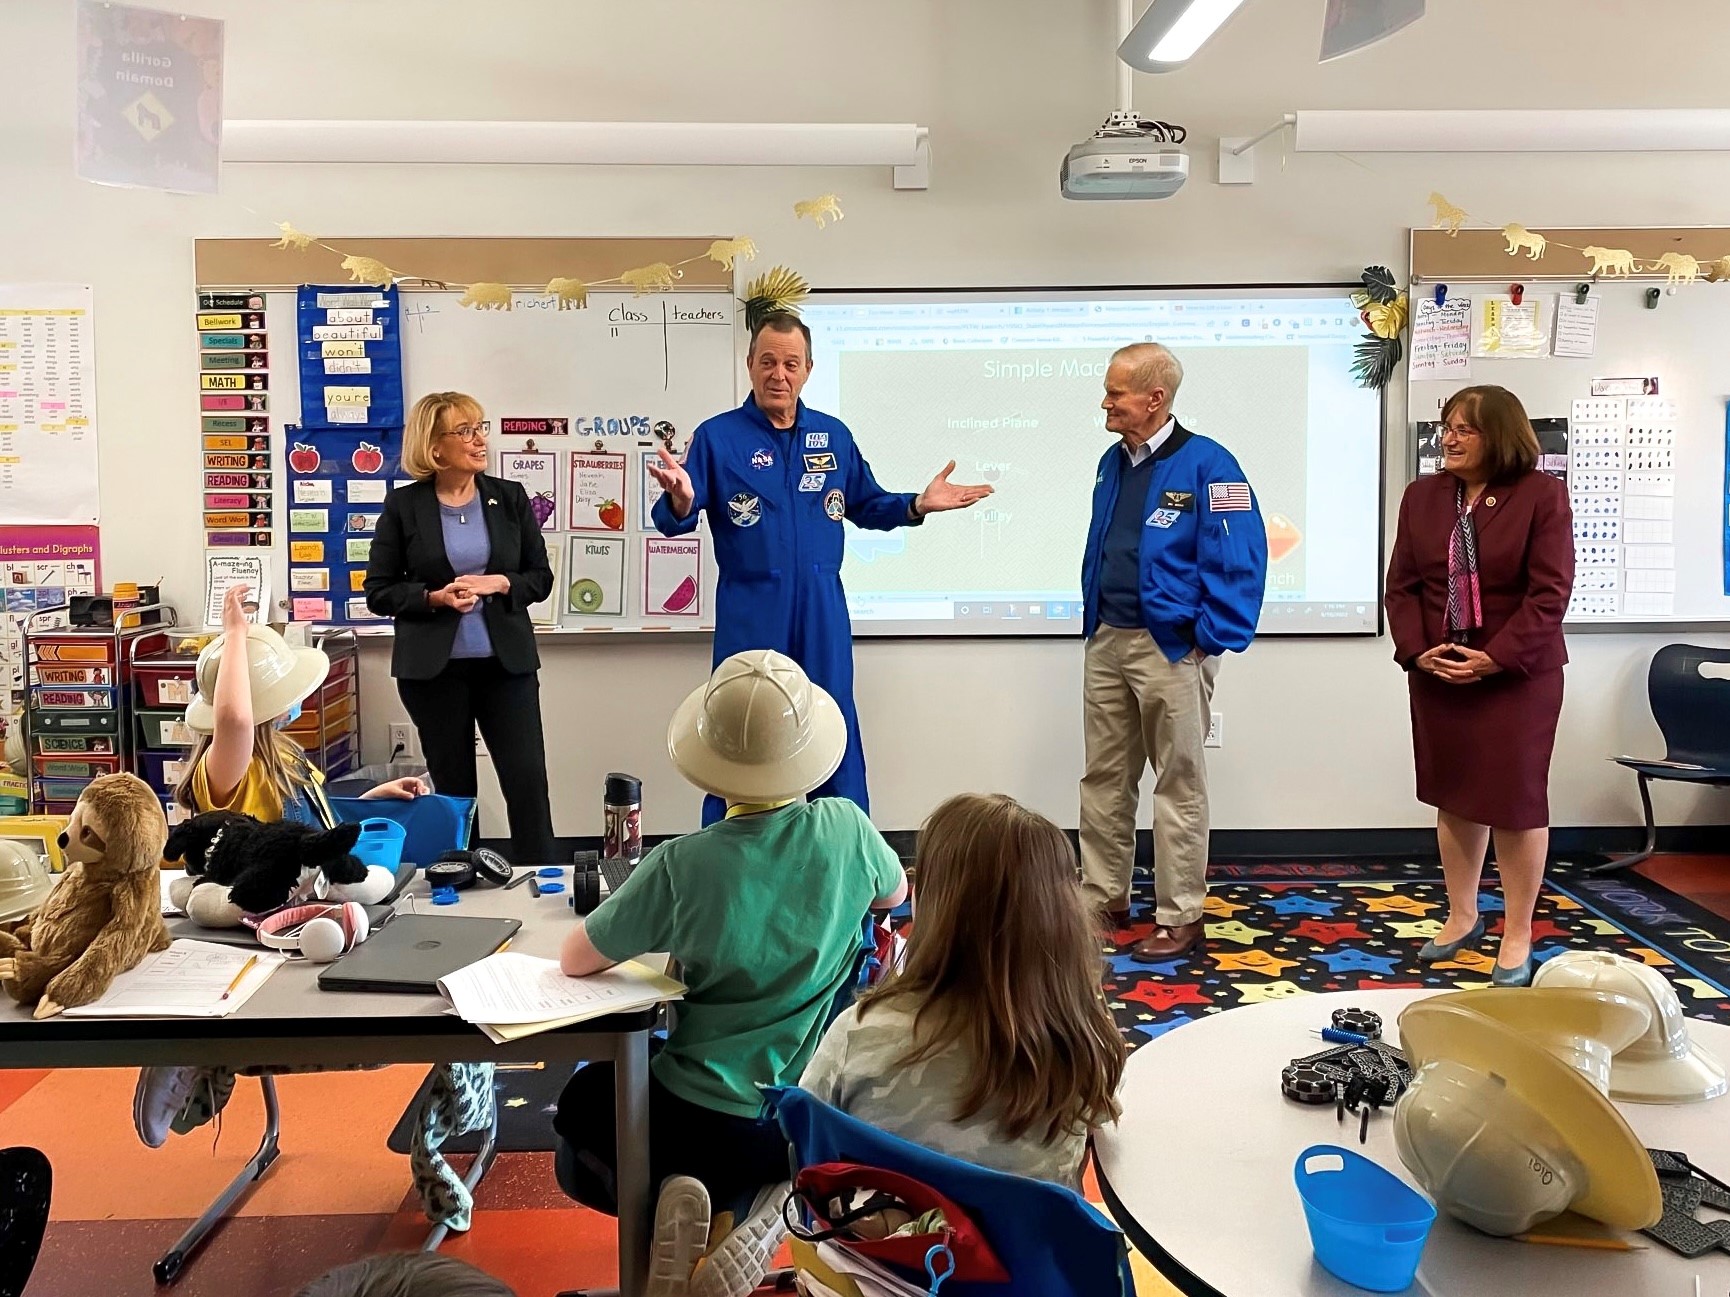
(758, 731)
(281, 676)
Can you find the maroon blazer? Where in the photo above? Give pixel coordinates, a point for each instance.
(1525, 570)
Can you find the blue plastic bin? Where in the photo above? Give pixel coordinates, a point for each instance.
(1367, 1226)
(380, 843)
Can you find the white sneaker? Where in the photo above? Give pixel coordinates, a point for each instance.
(162, 1092)
(738, 1265)
(681, 1234)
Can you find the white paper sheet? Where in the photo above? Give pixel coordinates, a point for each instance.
(222, 572)
(1576, 327)
(48, 465)
(509, 988)
(1649, 556)
(1441, 338)
(191, 979)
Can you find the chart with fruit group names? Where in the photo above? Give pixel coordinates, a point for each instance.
(579, 403)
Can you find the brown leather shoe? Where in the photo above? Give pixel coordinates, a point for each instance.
(1168, 943)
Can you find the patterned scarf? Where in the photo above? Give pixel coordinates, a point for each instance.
(1465, 604)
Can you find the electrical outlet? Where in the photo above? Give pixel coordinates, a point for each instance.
(1215, 731)
(402, 741)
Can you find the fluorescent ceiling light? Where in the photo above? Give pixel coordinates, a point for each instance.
(1170, 31)
(903, 146)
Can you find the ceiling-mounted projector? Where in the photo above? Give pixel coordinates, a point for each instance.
(1128, 157)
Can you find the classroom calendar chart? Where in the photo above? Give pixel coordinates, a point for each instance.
(47, 405)
(350, 345)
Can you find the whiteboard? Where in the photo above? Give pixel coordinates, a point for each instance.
(1681, 342)
(613, 371)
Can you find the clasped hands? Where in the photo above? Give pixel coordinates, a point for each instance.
(466, 591)
(1456, 664)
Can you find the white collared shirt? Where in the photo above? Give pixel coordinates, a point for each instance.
(1141, 453)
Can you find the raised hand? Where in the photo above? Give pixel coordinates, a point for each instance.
(234, 618)
(943, 495)
(676, 482)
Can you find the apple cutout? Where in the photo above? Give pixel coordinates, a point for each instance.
(683, 596)
(1283, 537)
(367, 458)
(303, 458)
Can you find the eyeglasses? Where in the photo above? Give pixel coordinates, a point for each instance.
(468, 432)
(1461, 430)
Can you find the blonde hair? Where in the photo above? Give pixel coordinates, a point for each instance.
(282, 759)
(1004, 958)
(426, 425)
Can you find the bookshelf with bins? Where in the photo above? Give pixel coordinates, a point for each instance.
(79, 720)
(328, 726)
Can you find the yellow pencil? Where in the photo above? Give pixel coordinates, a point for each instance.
(1581, 1240)
(240, 976)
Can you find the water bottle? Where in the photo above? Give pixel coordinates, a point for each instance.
(623, 836)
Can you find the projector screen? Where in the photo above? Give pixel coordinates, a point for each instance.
(1008, 385)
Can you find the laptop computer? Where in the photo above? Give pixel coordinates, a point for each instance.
(414, 951)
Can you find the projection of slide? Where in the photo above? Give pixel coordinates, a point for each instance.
(1008, 385)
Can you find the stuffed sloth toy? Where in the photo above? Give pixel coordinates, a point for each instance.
(236, 866)
(106, 913)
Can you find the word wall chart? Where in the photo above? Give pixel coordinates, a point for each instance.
(1622, 486)
(345, 455)
(234, 415)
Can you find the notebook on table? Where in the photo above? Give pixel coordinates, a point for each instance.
(414, 951)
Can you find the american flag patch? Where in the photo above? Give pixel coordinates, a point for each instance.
(1227, 497)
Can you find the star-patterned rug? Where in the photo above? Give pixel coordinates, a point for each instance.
(1281, 930)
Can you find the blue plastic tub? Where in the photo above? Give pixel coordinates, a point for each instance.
(1367, 1226)
(380, 843)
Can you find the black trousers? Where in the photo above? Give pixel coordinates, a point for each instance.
(472, 692)
(732, 1157)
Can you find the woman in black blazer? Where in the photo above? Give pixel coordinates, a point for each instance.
(457, 560)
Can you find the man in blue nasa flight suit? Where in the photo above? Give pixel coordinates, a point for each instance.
(1173, 577)
(777, 481)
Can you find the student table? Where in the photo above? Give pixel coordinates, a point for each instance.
(290, 1021)
(1198, 1170)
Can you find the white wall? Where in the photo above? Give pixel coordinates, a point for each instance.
(1315, 732)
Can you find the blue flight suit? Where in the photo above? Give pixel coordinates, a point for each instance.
(1203, 547)
(776, 499)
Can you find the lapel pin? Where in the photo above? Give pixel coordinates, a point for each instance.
(1491, 502)
(490, 500)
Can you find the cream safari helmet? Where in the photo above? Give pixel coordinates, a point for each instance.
(1502, 1132)
(758, 731)
(281, 677)
(1662, 1065)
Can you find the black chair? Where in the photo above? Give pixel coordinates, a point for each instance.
(1693, 714)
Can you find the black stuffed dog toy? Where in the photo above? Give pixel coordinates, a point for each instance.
(236, 865)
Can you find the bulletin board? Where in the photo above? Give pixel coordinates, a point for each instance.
(579, 401)
(1645, 413)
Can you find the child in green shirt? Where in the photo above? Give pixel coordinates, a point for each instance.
(763, 911)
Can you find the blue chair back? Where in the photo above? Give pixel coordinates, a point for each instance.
(435, 823)
(1692, 710)
(1051, 1240)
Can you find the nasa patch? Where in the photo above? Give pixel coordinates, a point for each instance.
(835, 505)
(813, 481)
(1163, 517)
(745, 510)
(762, 459)
(816, 441)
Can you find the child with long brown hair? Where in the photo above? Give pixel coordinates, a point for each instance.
(993, 1043)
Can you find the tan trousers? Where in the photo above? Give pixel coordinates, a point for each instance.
(1137, 706)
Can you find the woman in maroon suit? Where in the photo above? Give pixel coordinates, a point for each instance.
(1482, 569)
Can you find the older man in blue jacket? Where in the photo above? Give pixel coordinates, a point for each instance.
(778, 480)
(1173, 577)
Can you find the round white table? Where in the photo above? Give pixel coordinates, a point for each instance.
(1198, 1171)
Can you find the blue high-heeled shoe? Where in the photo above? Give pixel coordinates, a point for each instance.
(1519, 975)
(1436, 954)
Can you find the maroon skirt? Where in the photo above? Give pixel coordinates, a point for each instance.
(1483, 750)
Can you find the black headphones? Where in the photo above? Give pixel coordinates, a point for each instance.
(461, 869)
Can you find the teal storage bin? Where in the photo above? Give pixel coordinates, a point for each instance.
(381, 842)
(1367, 1225)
